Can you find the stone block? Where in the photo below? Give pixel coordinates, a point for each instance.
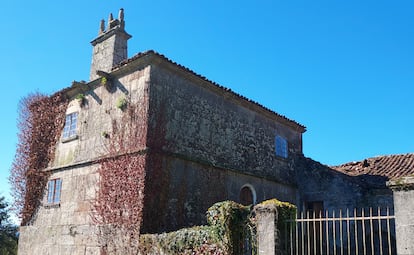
(92, 251)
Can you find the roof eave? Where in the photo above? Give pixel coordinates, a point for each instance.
(152, 57)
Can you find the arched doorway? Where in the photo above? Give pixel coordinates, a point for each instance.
(247, 195)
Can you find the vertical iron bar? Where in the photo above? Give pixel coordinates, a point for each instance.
(371, 223)
(320, 232)
(293, 241)
(334, 232)
(289, 237)
(380, 230)
(389, 230)
(356, 232)
(314, 232)
(363, 230)
(348, 232)
(297, 233)
(340, 232)
(302, 235)
(327, 231)
(308, 233)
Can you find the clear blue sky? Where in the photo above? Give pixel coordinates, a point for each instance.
(344, 69)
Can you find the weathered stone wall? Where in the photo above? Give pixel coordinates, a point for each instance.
(64, 228)
(67, 228)
(96, 115)
(179, 193)
(108, 50)
(317, 182)
(204, 147)
(403, 190)
(205, 123)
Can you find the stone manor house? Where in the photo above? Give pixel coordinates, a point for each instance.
(215, 145)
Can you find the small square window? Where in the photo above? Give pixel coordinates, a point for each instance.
(53, 191)
(281, 147)
(69, 131)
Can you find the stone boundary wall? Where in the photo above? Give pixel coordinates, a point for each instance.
(403, 190)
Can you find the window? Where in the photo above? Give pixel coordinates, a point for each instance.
(281, 147)
(69, 131)
(53, 191)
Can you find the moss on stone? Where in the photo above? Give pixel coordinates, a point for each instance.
(227, 221)
(227, 230)
(181, 241)
(285, 211)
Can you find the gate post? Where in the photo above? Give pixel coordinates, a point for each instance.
(266, 220)
(403, 191)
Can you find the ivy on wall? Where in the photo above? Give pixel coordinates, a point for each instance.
(230, 227)
(118, 206)
(40, 122)
(225, 234)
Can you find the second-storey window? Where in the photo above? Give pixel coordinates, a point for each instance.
(281, 147)
(69, 130)
(53, 191)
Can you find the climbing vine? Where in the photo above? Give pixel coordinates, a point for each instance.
(118, 206)
(40, 122)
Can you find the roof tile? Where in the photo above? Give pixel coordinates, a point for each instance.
(151, 52)
(391, 166)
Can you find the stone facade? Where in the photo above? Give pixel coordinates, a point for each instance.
(203, 144)
(65, 228)
(96, 114)
(209, 141)
(204, 122)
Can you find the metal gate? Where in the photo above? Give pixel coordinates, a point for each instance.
(348, 232)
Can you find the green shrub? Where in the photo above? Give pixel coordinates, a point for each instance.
(227, 221)
(121, 103)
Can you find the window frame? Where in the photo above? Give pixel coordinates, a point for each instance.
(70, 130)
(281, 147)
(54, 191)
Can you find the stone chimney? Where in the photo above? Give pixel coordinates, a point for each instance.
(110, 47)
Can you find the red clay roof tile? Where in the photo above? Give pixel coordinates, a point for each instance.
(392, 166)
(151, 52)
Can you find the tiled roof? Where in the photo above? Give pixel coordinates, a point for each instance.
(225, 90)
(393, 166)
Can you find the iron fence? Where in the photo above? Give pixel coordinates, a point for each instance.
(348, 232)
